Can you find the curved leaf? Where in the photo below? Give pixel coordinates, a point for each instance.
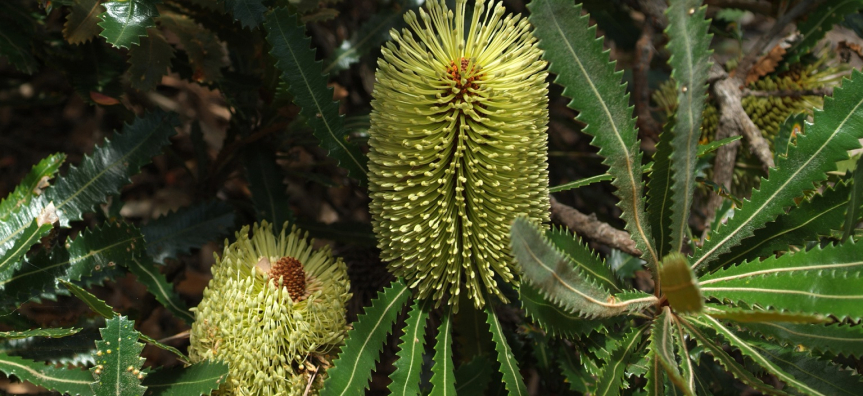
(149, 62)
(561, 281)
(689, 45)
(32, 185)
(198, 379)
(554, 319)
(508, 365)
(837, 339)
(610, 379)
(148, 274)
(817, 24)
(409, 359)
(836, 130)
(352, 370)
(72, 381)
(118, 363)
(124, 22)
(190, 227)
(298, 66)
(576, 56)
(250, 13)
(443, 379)
(82, 22)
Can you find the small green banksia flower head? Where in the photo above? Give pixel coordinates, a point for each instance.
(274, 308)
(458, 147)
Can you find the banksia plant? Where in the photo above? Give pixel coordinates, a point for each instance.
(273, 310)
(458, 148)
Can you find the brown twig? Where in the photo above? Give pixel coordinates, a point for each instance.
(826, 91)
(589, 226)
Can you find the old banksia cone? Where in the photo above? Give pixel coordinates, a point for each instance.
(274, 308)
(458, 147)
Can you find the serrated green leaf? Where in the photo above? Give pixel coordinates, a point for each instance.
(581, 183)
(472, 378)
(689, 44)
(206, 54)
(97, 305)
(15, 42)
(118, 364)
(189, 227)
(409, 359)
(372, 33)
(508, 365)
(32, 185)
(659, 192)
(180, 356)
(815, 217)
(822, 280)
(705, 337)
(94, 252)
(82, 22)
(561, 281)
(198, 379)
(817, 24)
(124, 22)
(704, 149)
(443, 379)
(265, 183)
(51, 333)
(297, 63)
(655, 375)
(12, 254)
(821, 375)
(836, 339)
(662, 341)
(352, 369)
(589, 264)
(576, 56)
(778, 363)
(787, 134)
(610, 379)
(855, 202)
(250, 13)
(577, 377)
(72, 381)
(148, 274)
(77, 349)
(836, 130)
(150, 61)
(554, 319)
(744, 315)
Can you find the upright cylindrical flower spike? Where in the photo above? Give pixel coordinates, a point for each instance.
(458, 147)
(274, 308)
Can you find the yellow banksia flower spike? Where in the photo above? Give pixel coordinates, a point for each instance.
(458, 147)
(273, 310)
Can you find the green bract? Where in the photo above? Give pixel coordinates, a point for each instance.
(458, 147)
(273, 304)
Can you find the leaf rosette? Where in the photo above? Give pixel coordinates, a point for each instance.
(274, 308)
(458, 147)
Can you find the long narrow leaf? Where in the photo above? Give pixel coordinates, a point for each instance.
(198, 379)
(610, 379)
(443, 379)
(297, 63)
(190, 227)
(576, 56)
(408, 365)
(508, 365)
(690, 59)
(353, 368)
(148, 274)
(72, 381)
(836, 130)
(32, 185)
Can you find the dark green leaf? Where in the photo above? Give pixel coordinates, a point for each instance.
(787, 134)
(508, 365)
(814, 218)
(97, 305)
(443, 379)
(554, 319)
(610, 379)
(662, 341)
(689, 45)
(373, 32)
(561, 281)
(206, 54)
(583, 68)
(817, 24)
(836, 339)
(659, 192)
(149, 62)
(15, 45)
(198, 379)
(124, 22)
(297, 63)
(267, 186)
(32, 185)
(821, 281)
(82, 22)
(855, 202)
(148, 274)
(472, 378)
(836, 130)
(250, 13)
(188, 228)
(352, 370)
(408, 365)
(51, 333)
(119, 362)
(72, 381)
